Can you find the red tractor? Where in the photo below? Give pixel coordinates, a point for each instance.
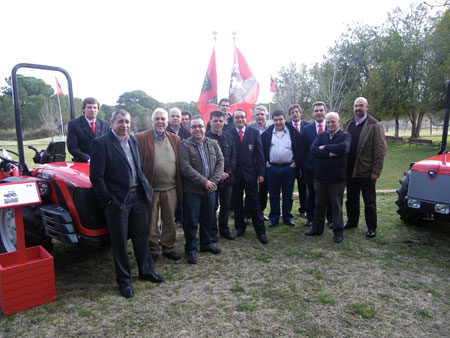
(424, 192)
(70, 211)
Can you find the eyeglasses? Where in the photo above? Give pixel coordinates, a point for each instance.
(199, 126)
(237, 117)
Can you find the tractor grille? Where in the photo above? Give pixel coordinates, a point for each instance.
(88, 208)
(422, 187)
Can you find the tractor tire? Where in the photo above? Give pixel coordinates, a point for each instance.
(8, 241)
(408, 215)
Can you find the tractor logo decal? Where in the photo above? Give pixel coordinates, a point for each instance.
(432, 173)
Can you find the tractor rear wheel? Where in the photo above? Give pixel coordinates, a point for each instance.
(408, 215)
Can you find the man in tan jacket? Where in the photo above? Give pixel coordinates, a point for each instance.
(159, 149)
(365, 162)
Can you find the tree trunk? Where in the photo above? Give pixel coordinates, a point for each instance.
(397, 126)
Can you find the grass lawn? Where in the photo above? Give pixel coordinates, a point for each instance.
(395, 285)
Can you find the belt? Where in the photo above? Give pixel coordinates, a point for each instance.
(281, 164)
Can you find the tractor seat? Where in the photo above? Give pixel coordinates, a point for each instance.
(55, 152)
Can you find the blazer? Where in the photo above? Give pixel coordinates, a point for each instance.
(309, 134)
(146, 141)
(303, 124)
(250, 155)
(110, 172)
(266, 139)
(80, 136)
(183, 133)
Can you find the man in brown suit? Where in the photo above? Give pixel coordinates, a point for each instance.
(159, 149)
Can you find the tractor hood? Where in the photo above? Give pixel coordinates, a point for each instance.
(73, 173)
(433, 166)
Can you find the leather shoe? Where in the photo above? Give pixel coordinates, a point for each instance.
(240, 232)
(227, 235)
(371, 233)
(263, 239)
(290, 223)
(308, 224)
(212, 249)
(126, 291)
(266, 218)
(272, 224)
(302, 214)
(311, 233)
(338, 238)
(191, 259)
(152, 277)
(330, 225)
(214, 239)
(172, 255)
(154, 257)
(348, 225)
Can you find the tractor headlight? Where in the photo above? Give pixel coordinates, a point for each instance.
(415, 204)
(44, 188)
(442, 209)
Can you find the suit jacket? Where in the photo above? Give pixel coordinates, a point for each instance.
(146, 141)
(296, 147)
(183, 133)
(303, 124)
(309, 134)
(110, 172)
(80, 136)
(250, 156)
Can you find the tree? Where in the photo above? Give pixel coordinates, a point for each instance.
(49, 116)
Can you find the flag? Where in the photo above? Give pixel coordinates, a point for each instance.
(58, 87)
(272, 84)
(244, 89)
(207, 102)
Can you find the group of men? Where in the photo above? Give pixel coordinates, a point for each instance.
(182, 171)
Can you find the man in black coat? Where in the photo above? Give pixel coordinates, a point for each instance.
(224, 188)
(81, 131)
(249, 172)
(175, 125)
(330, 152)
(118, 180)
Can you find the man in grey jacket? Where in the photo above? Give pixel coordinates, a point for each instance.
(365, 162)
(201, 163)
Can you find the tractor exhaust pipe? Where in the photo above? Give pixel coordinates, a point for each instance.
(446, 119)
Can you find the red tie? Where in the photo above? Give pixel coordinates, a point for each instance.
(320, 128)
(93, 127)
(241, 135)
(296, 126)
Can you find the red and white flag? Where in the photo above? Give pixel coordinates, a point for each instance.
(58, 87)
(272, 84)
(207, 102)
(244, 89)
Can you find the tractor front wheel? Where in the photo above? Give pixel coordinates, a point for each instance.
(8, 240)
(408, 215)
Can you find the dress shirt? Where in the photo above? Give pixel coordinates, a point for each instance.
(361, 120)
(281, 147)
(201, 149)
(157, 137)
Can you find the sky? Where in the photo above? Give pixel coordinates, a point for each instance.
(163, 47)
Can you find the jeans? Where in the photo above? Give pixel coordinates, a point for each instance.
(281, 179)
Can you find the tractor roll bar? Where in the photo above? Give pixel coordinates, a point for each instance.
(15, 94)
(446, 119)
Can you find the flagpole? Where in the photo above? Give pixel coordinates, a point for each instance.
(61, 119)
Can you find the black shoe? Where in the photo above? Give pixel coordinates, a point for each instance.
(263, 239)
(240, 232)
(330, 225)
(290, 223)
(272, 224)
(265, 218)
(172, 255)
(302, 214)
(348, 225)
(311, 233)
(227, 235)
(152, 277)
(154, 257)
(308, 224)
(214, 239)
(338, 238)
(191, 259)
(212, 249)
(371, 233)
(126, 291)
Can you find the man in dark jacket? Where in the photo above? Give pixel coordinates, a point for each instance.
(330, 151)
(118, 180)
(81, 131)
(175, 125)
(201, 163)
(224, 188)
